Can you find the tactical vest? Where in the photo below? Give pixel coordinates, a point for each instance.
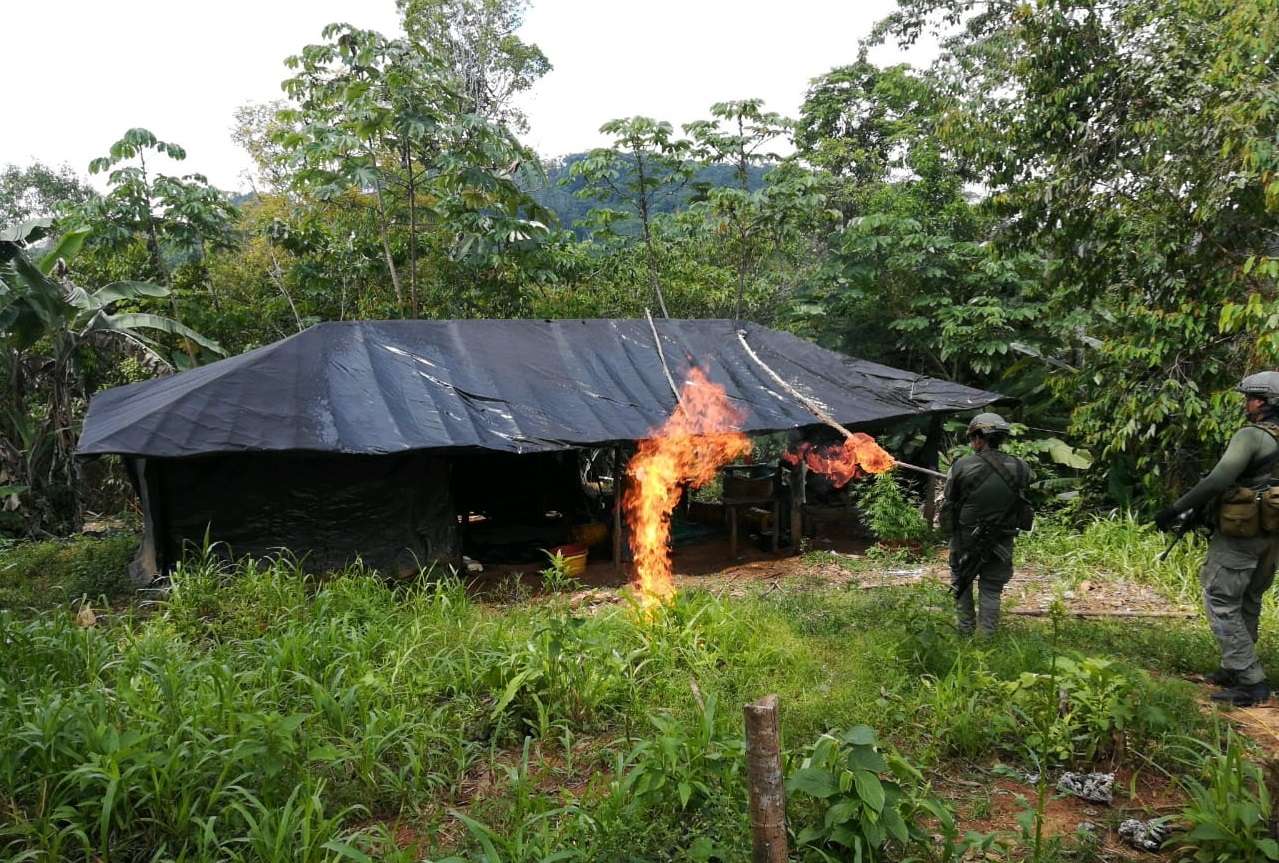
(1250, 508)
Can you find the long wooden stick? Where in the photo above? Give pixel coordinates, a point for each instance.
(661, 355)
(817, 410)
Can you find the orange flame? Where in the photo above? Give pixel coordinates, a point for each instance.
(857, 455)
(700, 436)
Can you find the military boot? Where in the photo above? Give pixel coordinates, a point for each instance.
(1243, 694)
(1223, 677)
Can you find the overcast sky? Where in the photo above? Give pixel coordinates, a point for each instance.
(87, 70)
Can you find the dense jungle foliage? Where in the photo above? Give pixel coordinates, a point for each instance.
(1074, 205)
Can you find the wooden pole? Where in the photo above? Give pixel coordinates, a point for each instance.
(798, 477)
(932, 445)
(764, 782)
(619, 470)
(816, 409)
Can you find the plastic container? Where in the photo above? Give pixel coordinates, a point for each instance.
(574, 558)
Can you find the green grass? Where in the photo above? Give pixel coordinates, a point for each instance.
(261, 714)
(39, 575)
(1115, 545)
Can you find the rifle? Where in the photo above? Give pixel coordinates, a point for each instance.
(1185, 523)
(969, 565)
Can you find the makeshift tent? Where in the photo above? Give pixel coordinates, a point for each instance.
(339, 440)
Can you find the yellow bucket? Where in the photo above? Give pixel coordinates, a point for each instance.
(574, 559)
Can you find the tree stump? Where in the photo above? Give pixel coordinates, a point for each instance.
(764, 782)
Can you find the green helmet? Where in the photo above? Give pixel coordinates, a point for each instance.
(984, 424)
(1262, 385)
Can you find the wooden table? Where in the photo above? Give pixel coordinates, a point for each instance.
(733, 504)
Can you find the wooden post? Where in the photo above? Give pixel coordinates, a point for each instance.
(798, 479)
(777, 522)
(619, 470)
(932, 448)
(764, 782)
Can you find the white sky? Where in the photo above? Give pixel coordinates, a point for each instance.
(87, 70)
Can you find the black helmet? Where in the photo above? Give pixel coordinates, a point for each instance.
(988, 423)
(1262, 385)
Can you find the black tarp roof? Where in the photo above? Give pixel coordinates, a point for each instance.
(511, 385)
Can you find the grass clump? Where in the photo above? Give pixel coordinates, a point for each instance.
(1115, 545)
(58, 572)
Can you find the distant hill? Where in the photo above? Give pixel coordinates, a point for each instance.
(559, 193)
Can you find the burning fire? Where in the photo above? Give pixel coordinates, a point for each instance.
(857, 455)
(700, 436)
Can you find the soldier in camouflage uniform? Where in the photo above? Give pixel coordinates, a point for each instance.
(980, 508)
(1237, 571)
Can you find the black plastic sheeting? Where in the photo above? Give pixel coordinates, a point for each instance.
(376, 387)
(395, 513)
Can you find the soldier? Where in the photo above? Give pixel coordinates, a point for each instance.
(984, 505)
(1240, 565)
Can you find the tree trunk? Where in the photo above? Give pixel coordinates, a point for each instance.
(642, 207)
(157, 260)
(743, 179)
(408, 167)
(652, 272)
(741, 276)
(384, 228)
(764, 782)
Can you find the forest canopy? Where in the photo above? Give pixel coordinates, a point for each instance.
(1075, 204)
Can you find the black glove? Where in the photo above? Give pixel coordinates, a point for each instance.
(1166, 518)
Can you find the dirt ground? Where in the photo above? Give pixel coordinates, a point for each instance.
(994, 804)
(707, 565)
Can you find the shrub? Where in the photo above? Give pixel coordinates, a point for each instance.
(1228, 810)
(1083, 710)
(679, 766)
(566, 670)
(56, 572)
(858, 799)
(889, 513)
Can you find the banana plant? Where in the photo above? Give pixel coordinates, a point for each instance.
(49, 330)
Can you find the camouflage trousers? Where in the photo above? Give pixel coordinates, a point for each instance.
(1236, 574)
(995, 572)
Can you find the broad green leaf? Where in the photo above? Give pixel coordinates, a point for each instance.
(866, 758)
(895, 824)
(860, 735)
(117, 291)
(869, 789)
(141, 320)
(1063, 453)
(67, 247)
(30, 231)
(814, 782)
(1209, 832)
(841, 812)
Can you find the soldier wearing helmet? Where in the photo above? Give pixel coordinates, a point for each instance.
(1240, 564)
(984, 505)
